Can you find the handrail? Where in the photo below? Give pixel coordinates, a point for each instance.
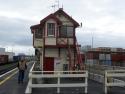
(32, 67)
(59, 75)
(79, 58)
(109, 74)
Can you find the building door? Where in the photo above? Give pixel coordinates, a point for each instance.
(57, 64)
(48, 64)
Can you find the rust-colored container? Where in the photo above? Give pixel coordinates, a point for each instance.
(116, 57)
(83, 57)
(92, 55)
(123, 57)
(3, 58)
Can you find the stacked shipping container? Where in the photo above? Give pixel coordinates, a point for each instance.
(92, 57)
(3, 59)
(106, 56)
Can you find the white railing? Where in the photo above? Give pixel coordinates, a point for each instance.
(110, 80)
(58, 75)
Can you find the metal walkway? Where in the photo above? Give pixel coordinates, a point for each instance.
(10, 86)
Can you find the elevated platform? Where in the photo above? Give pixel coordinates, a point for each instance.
(10, 86)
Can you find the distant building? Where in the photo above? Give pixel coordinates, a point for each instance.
(105, 56)
(54, 39)
(10, 55)
(2, 51)
(86, 48)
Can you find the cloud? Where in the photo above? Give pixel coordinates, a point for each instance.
(104, 19)
(15, 31)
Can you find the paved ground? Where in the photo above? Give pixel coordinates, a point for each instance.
(12, 87)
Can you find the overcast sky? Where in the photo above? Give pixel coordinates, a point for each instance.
(102, 19)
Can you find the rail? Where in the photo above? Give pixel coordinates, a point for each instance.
(110, 81)
(58, 75)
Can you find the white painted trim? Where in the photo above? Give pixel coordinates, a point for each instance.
(59, 75)
(8, 72)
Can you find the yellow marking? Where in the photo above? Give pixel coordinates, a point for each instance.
(3, 81)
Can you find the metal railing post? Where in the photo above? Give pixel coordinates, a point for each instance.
(58, 88)
(86, 82)
(105, 87)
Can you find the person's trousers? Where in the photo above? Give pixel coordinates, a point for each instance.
(21, 76)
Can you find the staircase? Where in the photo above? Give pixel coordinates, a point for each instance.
(69, 55)
(79, 61)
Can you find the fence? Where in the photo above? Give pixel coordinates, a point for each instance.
(58, 75)
(110, 81)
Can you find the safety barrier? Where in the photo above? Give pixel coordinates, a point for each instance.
(110, 80)
(58, 75)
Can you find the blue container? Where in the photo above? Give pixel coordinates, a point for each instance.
(108, 62)
(15, 58)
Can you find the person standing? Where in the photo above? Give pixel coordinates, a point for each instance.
(22, 67)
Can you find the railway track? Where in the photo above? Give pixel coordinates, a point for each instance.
(7, 67)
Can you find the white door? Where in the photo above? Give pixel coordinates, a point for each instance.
(57, 64)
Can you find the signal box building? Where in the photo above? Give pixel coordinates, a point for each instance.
(54, 39)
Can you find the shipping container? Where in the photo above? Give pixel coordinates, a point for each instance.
(92, 61)
(92, 55)
(105, 49)
(102, 57)
(3, 58)
(15, 58)
(83, 57)
(116, 57)
(107, 56)
(108, 62)
(113, 49)
(119, 49)
(116, 63)
(123, 57)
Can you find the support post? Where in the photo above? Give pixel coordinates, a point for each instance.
(58, 88)
(86, 87)
(105, 87)
(29, 88)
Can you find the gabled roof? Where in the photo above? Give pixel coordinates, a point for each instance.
(60, 11)
(51, 16)
(42, 22)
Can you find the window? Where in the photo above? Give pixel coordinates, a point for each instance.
(51, 29)
(66, 31)
(69, 31)
(39, 33)
(63, 31)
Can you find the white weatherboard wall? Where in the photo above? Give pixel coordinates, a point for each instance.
(38, 42)
(58, 66)
(51, 52)
(65, 20)
(50, 41)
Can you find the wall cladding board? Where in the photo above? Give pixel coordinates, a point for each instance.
(51, 52)
(50, 41)
(38, 42)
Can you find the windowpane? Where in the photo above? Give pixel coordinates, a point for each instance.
(51, 28)
(39, 33)
(63, 31)
(70, 31)
(66, 31)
